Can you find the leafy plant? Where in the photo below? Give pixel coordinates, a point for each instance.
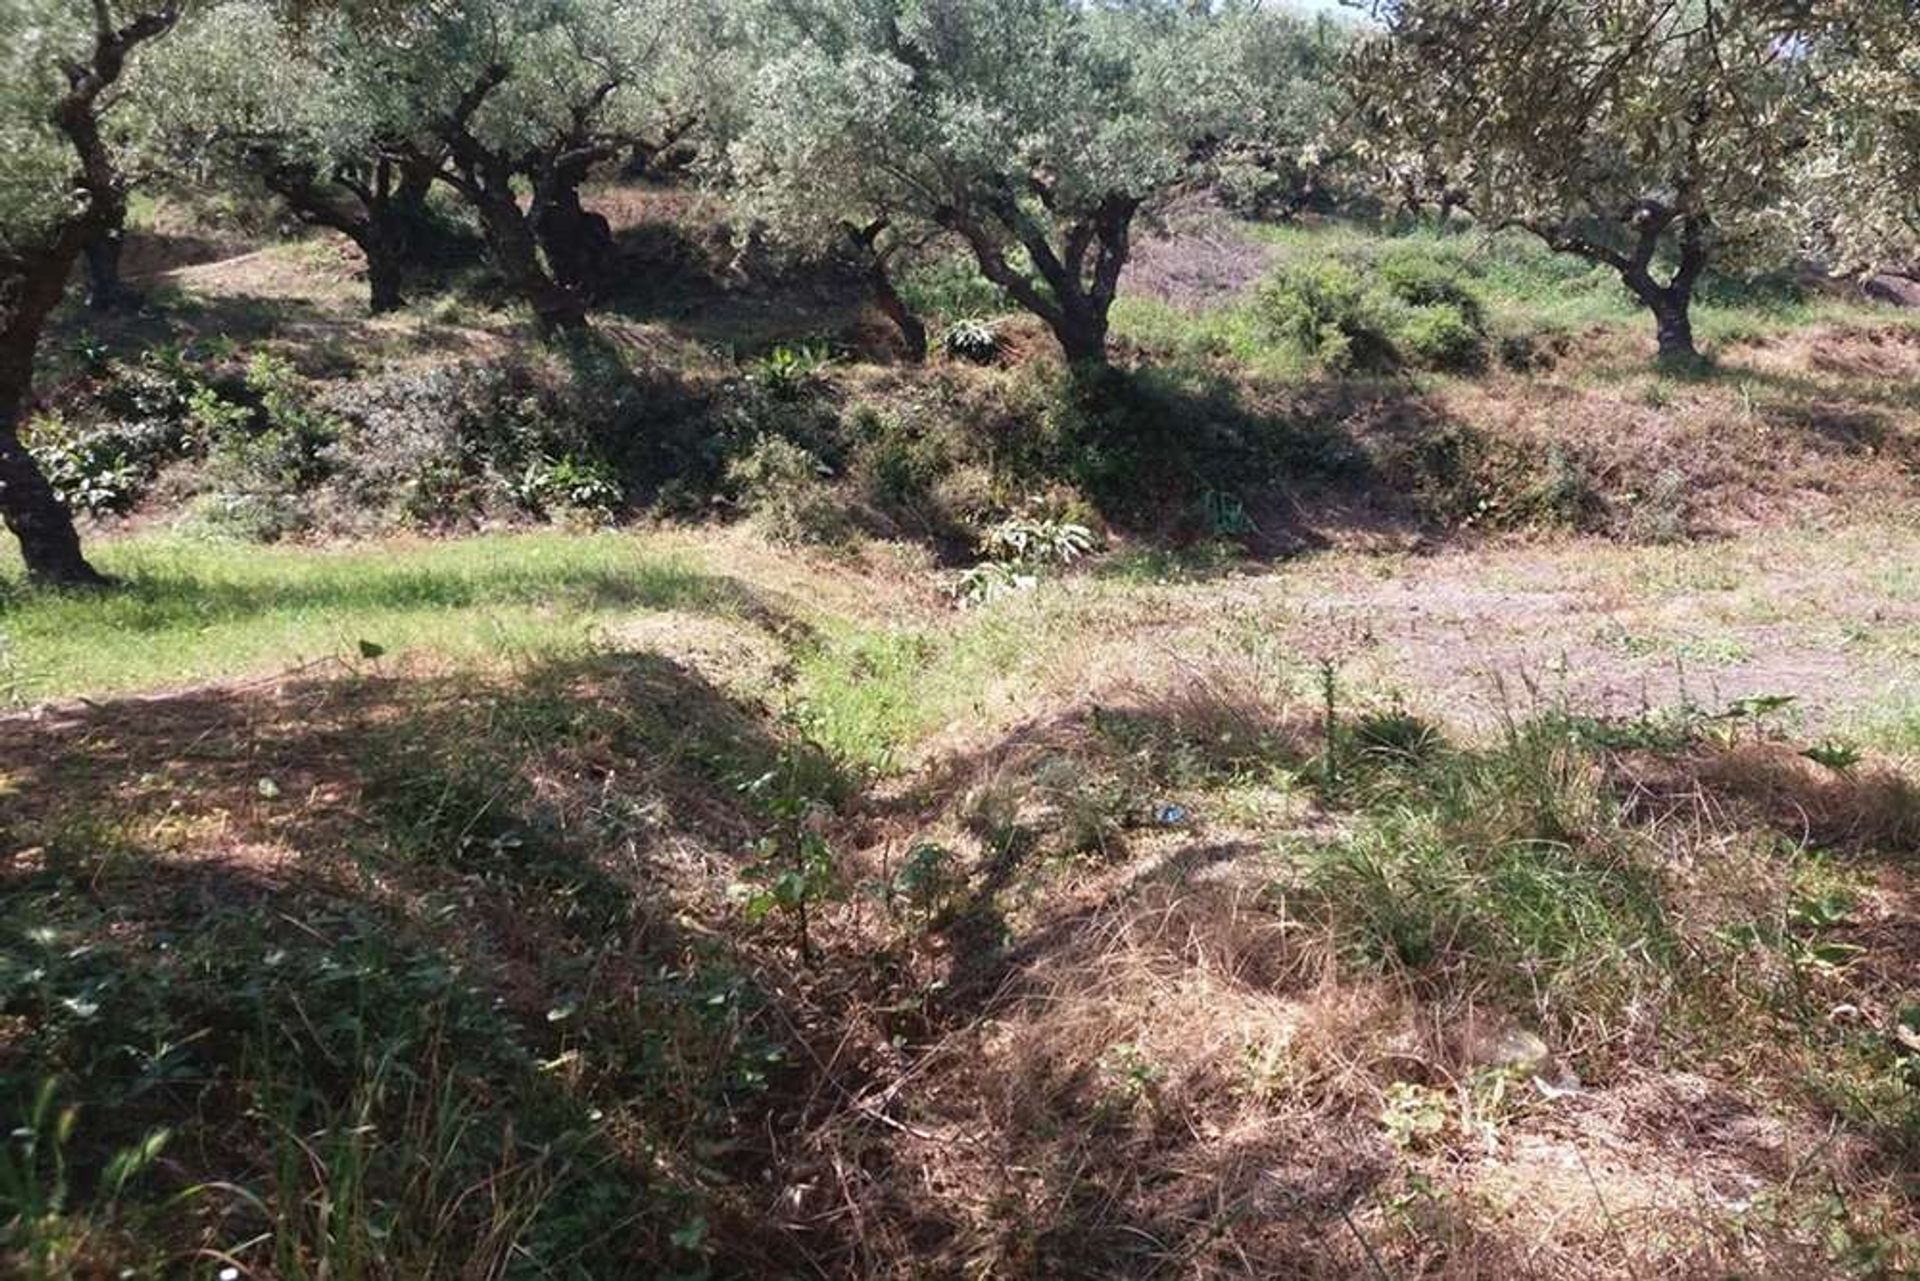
(1838, 756)
(90, 473)
(1016, 551)
(1028, 540)
(585, 487)
(1129, 1073)
(926, 881)
(785, 488)
(971, 339)
(790, 371)
(1225, 515)
(795, 865)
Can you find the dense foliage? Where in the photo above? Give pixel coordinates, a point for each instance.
(1632, 134)
(1018, 146)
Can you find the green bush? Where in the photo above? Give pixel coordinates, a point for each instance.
(899, 467)
(1409, 308)
(91, 471)
(1423, 278)
(1442, 336)
(571, 487)
(785, 489)
(1327, 311)
(130, 420)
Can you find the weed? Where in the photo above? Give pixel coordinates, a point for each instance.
(1838, 756)
(581, 488)
(1225, 515)
(789, 372)
(795, 867)
(1016, 551)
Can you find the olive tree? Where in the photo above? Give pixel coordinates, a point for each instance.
(1860, 179)
(496, 95)
(1031, 131)
(243, 93)
(61, 188)
(1284, 138)
(1648, 136)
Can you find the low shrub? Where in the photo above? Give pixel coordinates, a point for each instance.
(94, 472)
(971, 339)
(572, 488)
(1408, 308)
(784, 488)
(1441, 336)
(1421, 278)
(1327, 311)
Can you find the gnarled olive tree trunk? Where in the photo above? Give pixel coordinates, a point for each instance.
(1076, 284)
(484, 178)
(382, 209)
(874, 264)
(578, 242)
(32, 280)
(106, 290)
(29, 290)
(1671, 302)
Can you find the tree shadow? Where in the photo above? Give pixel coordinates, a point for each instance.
(665, 273)
(1179, 456)
(355, 897)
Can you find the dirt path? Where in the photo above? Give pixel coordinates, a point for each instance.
(1620, 632)
(1829, 618)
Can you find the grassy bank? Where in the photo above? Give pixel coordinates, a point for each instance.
(1066, 929)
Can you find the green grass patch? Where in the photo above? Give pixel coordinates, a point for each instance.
(869, 696)
(189, 611)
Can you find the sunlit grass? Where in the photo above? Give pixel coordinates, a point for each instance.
(189, 611)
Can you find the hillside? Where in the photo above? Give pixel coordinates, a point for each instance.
(1447, 823)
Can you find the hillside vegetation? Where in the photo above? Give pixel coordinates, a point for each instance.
(971, 639)
(1512, 877)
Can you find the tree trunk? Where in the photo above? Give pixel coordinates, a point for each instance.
(1082, 333)
(556, 309)
(484, 177)
(873, 262)
(386, 270)
(28, 504)
(106, 291)
(32, 284)
(578, 242)
(1674, 324)
(49, 544)
(913, 330)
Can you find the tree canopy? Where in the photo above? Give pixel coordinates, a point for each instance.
(1860, 180)
(1646, 135)
(1030, 130)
